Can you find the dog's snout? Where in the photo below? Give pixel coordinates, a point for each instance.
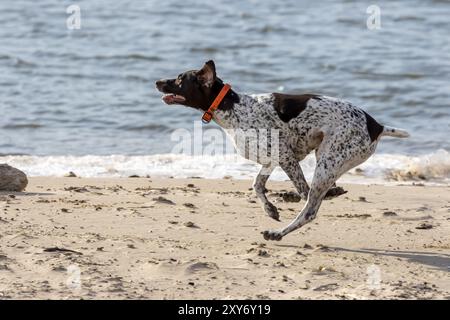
(160, 83)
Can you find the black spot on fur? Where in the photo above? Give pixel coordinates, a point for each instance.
(310, 214)
(289, 106)
(373, 127)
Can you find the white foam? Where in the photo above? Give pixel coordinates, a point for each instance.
(381, 168)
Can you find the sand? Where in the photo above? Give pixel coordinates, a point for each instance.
(141, 238)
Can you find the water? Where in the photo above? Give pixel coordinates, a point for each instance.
(90, 92)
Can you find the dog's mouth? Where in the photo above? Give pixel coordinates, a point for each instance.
(173, 98)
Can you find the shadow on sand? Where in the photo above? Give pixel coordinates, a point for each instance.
(22, 194)
(434, 259)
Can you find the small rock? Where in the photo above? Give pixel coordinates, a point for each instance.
(60, 269)
(70, 175)
(424, 226)
(327, 287)
(279, 264)
(389, 214)
(335, 192)
(201, 266)
(77, 189)
(163, 200)
(263, 253)
(12, 179)
(190, 224)
(291, 197)
(4, 267)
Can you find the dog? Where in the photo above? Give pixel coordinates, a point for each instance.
(341, 134)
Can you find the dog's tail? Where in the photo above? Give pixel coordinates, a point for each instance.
(394, 132)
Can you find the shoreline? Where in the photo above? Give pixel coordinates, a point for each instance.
(153, 238)
(385, 169)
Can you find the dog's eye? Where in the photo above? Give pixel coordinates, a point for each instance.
(178, 82)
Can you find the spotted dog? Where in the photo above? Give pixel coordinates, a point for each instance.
(341, 134)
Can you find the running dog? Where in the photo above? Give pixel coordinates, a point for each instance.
(341, 134)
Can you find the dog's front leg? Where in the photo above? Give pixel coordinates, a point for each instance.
(259, 185)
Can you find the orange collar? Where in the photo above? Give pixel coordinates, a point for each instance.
(207, 116)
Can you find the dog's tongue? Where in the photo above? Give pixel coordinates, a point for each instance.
(173, 98)
(169, 98)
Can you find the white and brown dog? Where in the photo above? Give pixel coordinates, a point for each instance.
(341, 134)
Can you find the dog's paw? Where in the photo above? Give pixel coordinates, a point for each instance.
(335, 192)
(272, 211)
(272, 235)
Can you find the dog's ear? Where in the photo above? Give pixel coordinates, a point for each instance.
(207, 74)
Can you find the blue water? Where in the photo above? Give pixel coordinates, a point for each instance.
(91, 91)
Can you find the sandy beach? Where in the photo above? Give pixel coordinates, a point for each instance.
(144, 238)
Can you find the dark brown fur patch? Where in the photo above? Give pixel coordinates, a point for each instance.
(289, 106)
(373, 127)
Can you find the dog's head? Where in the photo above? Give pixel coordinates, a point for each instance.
(194, 88)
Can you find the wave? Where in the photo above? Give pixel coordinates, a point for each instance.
(17, 61)
(145, 127)
(432, 168)
(125, 56)
(23, 126)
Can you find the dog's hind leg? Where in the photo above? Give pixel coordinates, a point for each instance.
(331, 164)
(321, 183)
(334, 190)
(293, 170)
(259, 185)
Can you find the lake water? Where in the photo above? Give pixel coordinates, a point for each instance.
(70, 97)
